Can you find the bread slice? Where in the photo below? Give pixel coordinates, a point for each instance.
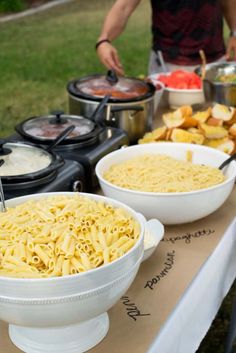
(225, 144)
(213, 132)
(180, 135)
(202, 117)
(223, 112)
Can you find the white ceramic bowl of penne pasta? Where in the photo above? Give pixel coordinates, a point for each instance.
(65, 259)
(174, 182)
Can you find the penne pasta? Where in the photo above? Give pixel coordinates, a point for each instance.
(77, 264)
(41, 254)
(61, 235)
(66, 267)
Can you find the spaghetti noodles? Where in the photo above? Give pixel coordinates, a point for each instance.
(161, 173)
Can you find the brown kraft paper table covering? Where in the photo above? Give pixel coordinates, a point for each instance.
(161, 281)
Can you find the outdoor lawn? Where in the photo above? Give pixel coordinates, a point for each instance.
(39, 54)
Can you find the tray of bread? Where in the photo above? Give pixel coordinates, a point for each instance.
(215, 126)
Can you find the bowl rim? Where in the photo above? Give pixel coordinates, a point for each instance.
(217, 64)
(106, 199)
(221, 84)
(170, 89)
(161, 84)
(161, 194)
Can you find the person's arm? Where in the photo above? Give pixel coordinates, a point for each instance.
(113, 26)
(229, 12)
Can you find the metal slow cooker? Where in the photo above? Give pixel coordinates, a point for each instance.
(24, 161)
(28, 166)
(130, 105)
(215, 89)
(44, 129)
(89, 141)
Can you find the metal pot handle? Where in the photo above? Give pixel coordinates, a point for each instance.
(112, 110)
(136, 108)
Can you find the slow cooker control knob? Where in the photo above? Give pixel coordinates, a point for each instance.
(77, 186)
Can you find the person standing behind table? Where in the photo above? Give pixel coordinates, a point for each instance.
(180, 28)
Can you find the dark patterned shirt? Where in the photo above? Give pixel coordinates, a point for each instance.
(182, 27)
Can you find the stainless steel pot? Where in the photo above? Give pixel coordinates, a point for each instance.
(216, 91)
(132, 114)
(135, 119)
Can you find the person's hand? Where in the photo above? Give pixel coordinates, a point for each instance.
(231, 49)
(109, 57)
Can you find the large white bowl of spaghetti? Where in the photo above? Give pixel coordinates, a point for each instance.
(159, 180)
(54, 290)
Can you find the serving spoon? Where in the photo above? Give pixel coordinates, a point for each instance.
(61, 137)
(162, 62)
(4, 209)
(203, 68)
(227, 161)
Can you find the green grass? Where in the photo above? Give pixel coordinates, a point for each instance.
(40, 54)
(12, 5)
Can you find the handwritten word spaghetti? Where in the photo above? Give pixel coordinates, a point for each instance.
(161, 173)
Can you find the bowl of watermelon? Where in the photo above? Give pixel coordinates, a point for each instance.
(182, 87)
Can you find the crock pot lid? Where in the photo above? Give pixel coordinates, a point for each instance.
(98, 86)
(23, 159)
(49, 127)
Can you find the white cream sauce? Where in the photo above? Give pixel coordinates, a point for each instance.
(23, 161)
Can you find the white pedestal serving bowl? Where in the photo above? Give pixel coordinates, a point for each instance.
(68, 314)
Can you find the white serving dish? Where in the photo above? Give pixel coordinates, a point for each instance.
(178, 97)
(158, 94)
(69, 314)
(170, 208)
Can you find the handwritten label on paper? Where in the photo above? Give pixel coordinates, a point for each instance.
(131, 309)
(187, 237)
(168, 265)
